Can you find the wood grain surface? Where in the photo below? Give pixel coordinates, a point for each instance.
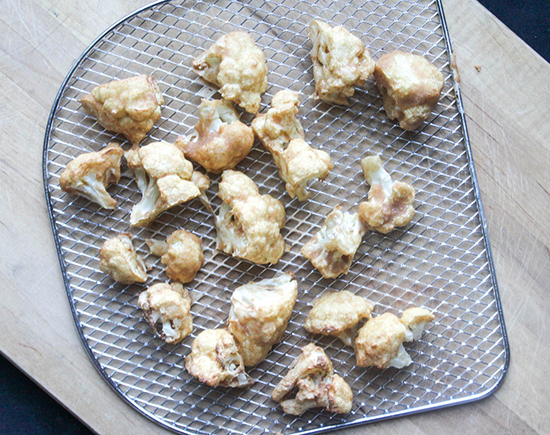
(506, 95)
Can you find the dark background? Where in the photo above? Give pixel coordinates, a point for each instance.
(26, 410)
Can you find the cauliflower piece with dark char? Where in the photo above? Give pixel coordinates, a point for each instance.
(167, 308)
(332, 249)
(89, 174)
(163, 176)
(340, 62)
(410, 87)
(282, 134)
(181, 253)
(249, 224)
(215, 360)
(238, 66)
(119, 259)
(259, 315)
(318, 386)
(130, 106)
(390, 203)
(380, 340)
(337, 314)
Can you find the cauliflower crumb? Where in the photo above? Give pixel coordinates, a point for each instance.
(129, 106)
(410, 87)
(312, 374)
(118, 259)
(259, 315)
(340, 62)
(89, 174)
(338, 314)
(238, 66)
(220, 141)
(249, 224)
(215, 360)
(167, 307)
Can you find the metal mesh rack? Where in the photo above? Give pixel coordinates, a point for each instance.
(441, 261)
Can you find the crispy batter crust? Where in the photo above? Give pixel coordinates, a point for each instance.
(120, 261)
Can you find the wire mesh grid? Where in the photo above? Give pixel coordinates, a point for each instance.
(440, 261)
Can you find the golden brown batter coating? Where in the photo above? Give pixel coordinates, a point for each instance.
(89, 174)
(410, 87)
(238, 67)
(259, 314)
(130, 106)
(340, 62)
(120, 261)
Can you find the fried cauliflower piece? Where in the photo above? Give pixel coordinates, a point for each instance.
(119, 259)
(410, 87)
(282, 134)
(130, 106)
(337, 314)
(181, 253)
(163, 176)
(390, 203)
(89, 174)
(313, 375)
(167, 307)
(259, 314)
(249, 224)
(332, 249)
(215, 360)
(220, 141)
(380, 340)
(340, 62)
(238, 67)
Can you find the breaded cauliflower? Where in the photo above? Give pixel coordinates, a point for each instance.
(129, 106)
(167, 307)
(338, 314)
(119, 259)
(89, 174)
(282, 134)
(181, 253)
(332, 249)
(410, 87)
(313, 375)
(249, 224)
(238, 66)
(220, 141)
(340, 62)
(163, 176)
(215, 360)
(259, 315)
(380, 340)
(389, 204)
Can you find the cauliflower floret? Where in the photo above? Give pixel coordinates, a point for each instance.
(389, 204)
(167, 307)
(129, 106)
(119, 259)
(163, 176)
(238, 66)
(89, 174)
(380, 340)
(338, 314)
(313, 375)
(259, 315)
(282, 134)
(182, 255)
(340, 62)
(220, 141)
(215, 360)
(332, 249)
(410, 87)
(248, 223)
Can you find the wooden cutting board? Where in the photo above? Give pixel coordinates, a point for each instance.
(506, 92)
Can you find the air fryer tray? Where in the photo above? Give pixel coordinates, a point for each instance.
(440, 261)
